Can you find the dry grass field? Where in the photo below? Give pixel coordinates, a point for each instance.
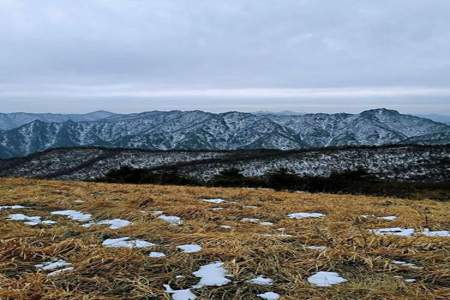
(268, 243)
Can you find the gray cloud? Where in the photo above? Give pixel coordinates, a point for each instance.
(171, 53)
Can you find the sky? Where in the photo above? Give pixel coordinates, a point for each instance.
(75, 56)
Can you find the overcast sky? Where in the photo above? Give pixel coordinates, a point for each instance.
(248, 55)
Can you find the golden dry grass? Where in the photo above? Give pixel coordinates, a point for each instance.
(364, 259)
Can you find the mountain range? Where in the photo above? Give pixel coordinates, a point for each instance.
(22, 134)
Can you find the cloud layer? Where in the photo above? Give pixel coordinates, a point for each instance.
(99, 52)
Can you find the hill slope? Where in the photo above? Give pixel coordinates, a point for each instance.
(407, 163)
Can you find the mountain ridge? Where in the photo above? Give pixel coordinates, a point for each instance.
(199, 130)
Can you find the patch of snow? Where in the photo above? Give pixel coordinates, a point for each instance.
(269, 296)
(393, 231)
(215, 200)
(190, 248)
(302, 215)
(213, 274)
(156, 254)
(125, 242)
(180, 294)
(73, 215)
(11, 207)
(53, 265)
(266, 223)
(217, 208)
(171, 219)
(225, 226)
(58, 272)
(79, 201)
(115, 223)
(325, 279)
(27, 220)
(441, 233)
(406, 264)
(261, 280)
(250, 220)
(388, 218)
(317, 248)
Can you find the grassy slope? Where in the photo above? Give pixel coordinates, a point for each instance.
(104, 273)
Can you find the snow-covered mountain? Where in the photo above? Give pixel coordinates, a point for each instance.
(195, 130)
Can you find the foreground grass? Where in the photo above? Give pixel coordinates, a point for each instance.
(247, 249)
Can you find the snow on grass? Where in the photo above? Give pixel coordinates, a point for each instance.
(216, 208)
(189, 248)
(261, 280)
(59, 272)
(225, 226)
(213, 274)
(441, 233)
(214, 200)
(32, 221)
(180, 294)
(115, 223)
(266, 223)
(303, 215)
(12, 207)
(388, 218)
(125, 242)
(73, 215)
(156, 254)
(316, 248)
(269, 296)
(326, 279)
(171, 219)
(406, 264)
(393, 231)
(250, 220)
(53, 265)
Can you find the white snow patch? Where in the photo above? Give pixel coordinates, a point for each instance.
(225, 226)
(217, 208)
(73, 215)
(115, 223)
(32, 221)
(58, 272)
(441, 233)
(261, 280)
(388, 218)
(393, 231)
(125, 242)
(11, 207)
(53, 265)
(213, 274)
(317, 248)
(269, 296)
(302, 215)
(180, 294)
(325, 279)
(156, 254)
(406, 264)
(215, 200)
(171, 219)
(190, 248)
(250, 220)
(266, 223)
